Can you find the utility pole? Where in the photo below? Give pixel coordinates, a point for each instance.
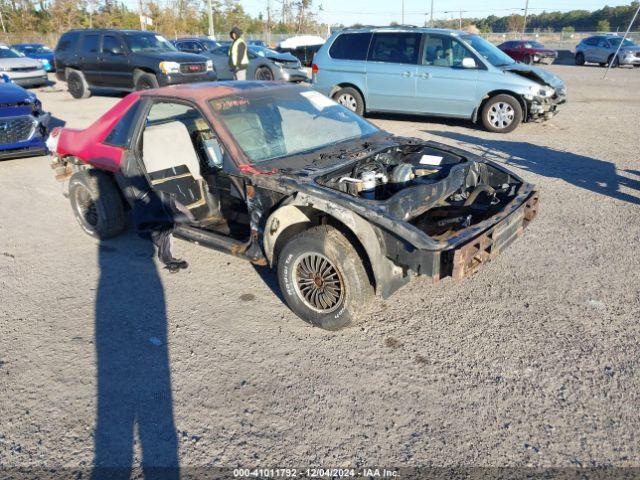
(4, 30)
(626, 34)
(268, 22)
(526, 11)
(402, 12)
(431, 18)
(460, 27)
(212, 31)
(143, 21)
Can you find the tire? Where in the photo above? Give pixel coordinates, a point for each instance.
(579, 58)
(527, 60)
(77, 85)
(326, 250)
(613, 61)
(97, 204)
(263, 74)
(146, 81)
(350, 98)
(502, 114)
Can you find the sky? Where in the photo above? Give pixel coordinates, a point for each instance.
(381, 12)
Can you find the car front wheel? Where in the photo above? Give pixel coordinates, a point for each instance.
(502, 114)
(264, 74)
(350, 98)
(613, 61)
(323, 279)
(96, 203)
(146, 81)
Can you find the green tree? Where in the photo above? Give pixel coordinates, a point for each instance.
(604, 26)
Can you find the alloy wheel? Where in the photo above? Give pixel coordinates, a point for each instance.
(318, 282)
(501, 115)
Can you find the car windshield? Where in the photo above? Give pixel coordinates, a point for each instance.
(615, 41)
(533, 45)
(274, 123)
(489, 51)
(148, 42)
(262, 51)
(6, 52)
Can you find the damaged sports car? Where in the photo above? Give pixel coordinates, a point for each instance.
(283, 176)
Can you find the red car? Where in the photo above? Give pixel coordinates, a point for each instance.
(283, 176)
(528, 52)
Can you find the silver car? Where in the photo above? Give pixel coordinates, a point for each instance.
(24, 71)
(264, 64)
(602, 49)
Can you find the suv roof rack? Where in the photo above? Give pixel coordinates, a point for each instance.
(381, 26)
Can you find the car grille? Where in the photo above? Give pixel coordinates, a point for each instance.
(193, 67)
(16, 129)
(24, 69)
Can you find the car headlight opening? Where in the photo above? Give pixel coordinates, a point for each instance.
(169, 67)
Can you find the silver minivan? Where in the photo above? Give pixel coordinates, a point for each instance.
(434, 72)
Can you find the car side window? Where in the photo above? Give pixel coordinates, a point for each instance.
(350, 46)
(120, 134)
(592, 42)
(603, 43)
(90, 44)
(109, 42)
(444, 51)
(395, 47)
(68, 42)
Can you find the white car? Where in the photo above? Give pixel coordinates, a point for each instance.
(25, 71)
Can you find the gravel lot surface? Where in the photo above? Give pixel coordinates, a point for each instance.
(531, 362)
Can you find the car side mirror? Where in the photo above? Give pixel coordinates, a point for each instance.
(468, 62)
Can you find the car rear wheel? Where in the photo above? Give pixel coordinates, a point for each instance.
(323, 279)
(77, 85)
(502, 114)
(527, 60)
(264, 74)
(350, 98)
(579, 58)
(146, 81)
(97, 204)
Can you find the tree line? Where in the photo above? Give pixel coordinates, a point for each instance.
(170, 17)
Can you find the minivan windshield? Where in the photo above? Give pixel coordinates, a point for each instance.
(148, 42)
(489, 51)
(273, 123)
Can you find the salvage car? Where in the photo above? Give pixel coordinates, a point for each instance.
(435, 72)
(38, 51)
(528, 51)
(283, 176)
(25, 71)
(23, 123)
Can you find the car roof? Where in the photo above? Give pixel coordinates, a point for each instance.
(405, 28)
(209, 90)
(109, 30)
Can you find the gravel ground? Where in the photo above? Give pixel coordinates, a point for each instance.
(531, 362)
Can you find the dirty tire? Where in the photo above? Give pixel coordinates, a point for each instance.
(77, 85)
(502, 107)
(527, 60)
(146, 81)
(97, 204)
(579, 58)
(350, 98)
(325, 251)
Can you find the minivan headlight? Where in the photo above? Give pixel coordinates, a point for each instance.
(169, 67)
(540, 91)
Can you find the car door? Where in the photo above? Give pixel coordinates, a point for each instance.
(444, 85)
(220, 58)
(591, 49)
(391, 67)
(180, 154)
(602, 51)
(114, 63)
(89, 57)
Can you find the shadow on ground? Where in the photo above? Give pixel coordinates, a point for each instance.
(134, 378)
(595, 175)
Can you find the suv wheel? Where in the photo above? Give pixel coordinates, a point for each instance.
(264, 73)
(350, 98)
(322, 278)
(579, 58)
(502, 114)
(97, 204)
(146, 81)
(77, 85)
(613, 61)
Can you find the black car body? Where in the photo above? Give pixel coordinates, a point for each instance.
(124, 60)
(283, 176)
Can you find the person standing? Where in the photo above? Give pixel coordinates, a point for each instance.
(238, 55)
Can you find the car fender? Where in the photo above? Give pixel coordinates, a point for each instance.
(299, 209)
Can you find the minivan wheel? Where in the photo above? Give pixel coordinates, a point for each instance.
(323, 279)
(146, 81)
(502, 114)
(350, 98)
(77, 85)
(579, 58)
(96, 203)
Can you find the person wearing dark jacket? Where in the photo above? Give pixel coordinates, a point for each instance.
(238, 55)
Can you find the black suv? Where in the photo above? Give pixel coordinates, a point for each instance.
(125, 60)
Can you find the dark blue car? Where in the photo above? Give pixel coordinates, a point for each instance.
(23, 123)
(39, 52)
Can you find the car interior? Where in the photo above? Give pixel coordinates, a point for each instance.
(184, 159)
